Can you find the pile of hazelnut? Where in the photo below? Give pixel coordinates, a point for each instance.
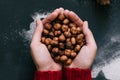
(63, 38)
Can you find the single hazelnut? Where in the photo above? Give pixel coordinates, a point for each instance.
(64, 28)
(72, 25)
(67, 34)
(47, 41)
(66, 21)
(57, 26)
(61, 45)
(67, 52)
(62, 38)
(79, 38)
(49, 47)
(68, 40)
(78, 30)
(51, 34)
(45, 32)
(73, 41)
(57, 33)
(48, 26)
(63, 58)
(73, 30)
(54, 42)
(55, 50)
(73, 54)
(68, 44)
(43, 39)
(55, 38)
(61, 52)
(57, 58)
(77, 48)
(61, 17)
(68, 62)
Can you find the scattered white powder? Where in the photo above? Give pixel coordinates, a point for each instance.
(111, 69)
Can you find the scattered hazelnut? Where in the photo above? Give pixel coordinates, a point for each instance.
(54, 42)
(66, 21)
(79, 38)
(68, 44)
(57, 26)
(47, 41)
(57, 58)
(78, 30)
(68, 40)
(63, 58)
(49, 47)
(64, 28)
(51, 34)
(48, 26)
(61, 52)
(62, 38)
(55, 38)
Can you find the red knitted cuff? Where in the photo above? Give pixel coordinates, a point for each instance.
(76, 74)
(48, 75)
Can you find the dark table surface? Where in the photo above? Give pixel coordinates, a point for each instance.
(15, 15)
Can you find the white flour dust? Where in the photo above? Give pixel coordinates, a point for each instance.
(111, 64)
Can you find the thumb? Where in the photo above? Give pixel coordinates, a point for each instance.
(38, 31)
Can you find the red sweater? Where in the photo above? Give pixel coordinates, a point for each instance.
(66, 74)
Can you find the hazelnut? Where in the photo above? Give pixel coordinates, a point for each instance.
(49, 47)
(67, 34)
(72, 25)
(57, 58)
(68, 40)
(61, 17)
(68, 62)
(61, 45)
(77, 48)
(54, 42)
(73, 54)
(64, 28)
(61, 52)
(73, 30)
(57, 26)
(43, 39)
(79, 38)
(66, 21)
(68, 44)
(78, 30)
(67, 52)
(63, 58)
(57, 33)
(55, 38)
(62, 38)
(47, 41)
(45, 32)
(48, 26)
(73, 41)
(51, 34)
(55, 50)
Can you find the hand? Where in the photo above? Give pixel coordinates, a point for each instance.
(86, 56)
(39, 51)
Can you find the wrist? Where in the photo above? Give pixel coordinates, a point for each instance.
(55, 67)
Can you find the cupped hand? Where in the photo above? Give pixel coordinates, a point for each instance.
(39, 51)
(86, 55)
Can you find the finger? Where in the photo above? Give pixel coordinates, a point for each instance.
(52, 16)
(88, 35)
(38, 32)
(73, 17)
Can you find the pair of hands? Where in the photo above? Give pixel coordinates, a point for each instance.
(41, 55)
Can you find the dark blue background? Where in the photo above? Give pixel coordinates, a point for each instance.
(15, 58)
